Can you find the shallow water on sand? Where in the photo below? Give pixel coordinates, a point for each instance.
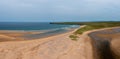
(46, 28)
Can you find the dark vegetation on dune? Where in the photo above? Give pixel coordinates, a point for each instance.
(91, 25)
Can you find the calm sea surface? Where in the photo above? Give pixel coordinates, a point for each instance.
(33, 26)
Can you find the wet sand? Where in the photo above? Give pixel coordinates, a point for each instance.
(11, 35)
(8, 35)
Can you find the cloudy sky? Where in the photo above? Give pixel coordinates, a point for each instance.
(59, 10)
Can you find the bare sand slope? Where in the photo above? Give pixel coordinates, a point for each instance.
(115, 45)
(55, 47)
(106, 43)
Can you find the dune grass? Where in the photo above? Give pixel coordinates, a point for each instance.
(97, 25)
(89, 26)
(73, 37)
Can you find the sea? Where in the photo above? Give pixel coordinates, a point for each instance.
(50, 29)
(26, 26)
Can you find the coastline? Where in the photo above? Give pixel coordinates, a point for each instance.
(54, 47)
(14, 49)
(11, 35)
(33, 37)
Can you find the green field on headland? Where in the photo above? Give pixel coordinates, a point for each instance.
(91, 25)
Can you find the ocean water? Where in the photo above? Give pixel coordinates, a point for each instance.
(26, 26)
(47, 28)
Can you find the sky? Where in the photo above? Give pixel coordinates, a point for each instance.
(59, 10)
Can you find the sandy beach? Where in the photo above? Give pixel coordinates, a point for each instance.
(54, 47)
(14, 35)
(59, 29)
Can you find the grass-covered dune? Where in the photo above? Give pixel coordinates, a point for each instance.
(91, 25)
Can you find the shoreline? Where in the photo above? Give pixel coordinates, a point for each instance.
(34, 37)
(16, 35)
(47, 48)
(49, 38)
(47, 34)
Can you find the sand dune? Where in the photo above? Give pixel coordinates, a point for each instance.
(115, 45)
(106, 43)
